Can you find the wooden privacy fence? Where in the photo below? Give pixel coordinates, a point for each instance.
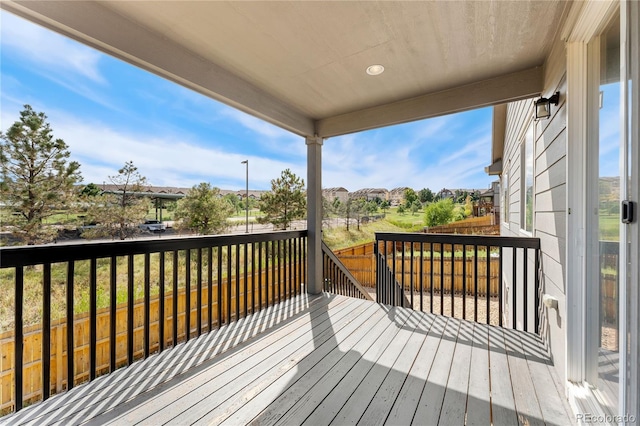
(227, 277)
(361, 262)
(484, 225)
(443, 276)
(32, 339)
(609, 280)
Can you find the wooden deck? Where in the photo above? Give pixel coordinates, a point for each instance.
(327, 360)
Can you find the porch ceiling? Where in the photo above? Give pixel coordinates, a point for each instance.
(301, 65)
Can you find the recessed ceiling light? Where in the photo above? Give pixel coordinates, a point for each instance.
(375, 70)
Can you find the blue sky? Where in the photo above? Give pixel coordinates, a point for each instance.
(109, 112)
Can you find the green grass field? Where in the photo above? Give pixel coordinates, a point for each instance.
(609, 227)
(407, 221)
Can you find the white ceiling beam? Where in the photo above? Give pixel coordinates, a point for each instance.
(507, 88)
(97, 26)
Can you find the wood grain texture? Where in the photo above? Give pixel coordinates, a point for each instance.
(327, 359)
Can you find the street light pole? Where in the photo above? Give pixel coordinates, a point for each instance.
(246, 201)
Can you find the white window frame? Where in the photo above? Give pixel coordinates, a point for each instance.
(506, 199)
(527, 138)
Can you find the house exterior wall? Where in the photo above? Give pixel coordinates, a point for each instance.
(549, 197)
(332, 193)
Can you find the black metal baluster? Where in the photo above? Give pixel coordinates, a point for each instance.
(229, 286)
(488, 292)
(299, 264)
(253, 278)
(70, 328)
(93, 322)
(210, 288)
(113, 302)
(246, 278)
(161, 313)
(432, 275)
(147, 302)
(290, 275)
(175, 297)
(199, 291)
(422, 277)
(475, 282)
(266, 273)
(237, 276)
(280, 283)
(19, 336)
(441, 278)
(219, 286)
(453, 281)
(464, 281)
(376, 256)
(304, 264)
(274, 283)
(394, 291)
(46, 331)
(260, 276)
(130, 297)
(284, 269)
(402, 284)
(187, 294)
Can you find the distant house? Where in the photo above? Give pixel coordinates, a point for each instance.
(444, 194)
(340, 193)
(489, 202)
(396, 195)
(370, 194)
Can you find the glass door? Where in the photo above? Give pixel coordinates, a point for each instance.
(605, 239)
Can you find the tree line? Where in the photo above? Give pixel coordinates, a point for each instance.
(38, 180)
(437, 210)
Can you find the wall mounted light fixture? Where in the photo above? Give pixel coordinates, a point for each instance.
(543, 106)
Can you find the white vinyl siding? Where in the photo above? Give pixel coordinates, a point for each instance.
(549, 197)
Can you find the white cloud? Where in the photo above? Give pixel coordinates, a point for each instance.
(269, 136)
(395, 157)
(102, 150)
(48, 51)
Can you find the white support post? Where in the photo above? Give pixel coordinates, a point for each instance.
(314, 214)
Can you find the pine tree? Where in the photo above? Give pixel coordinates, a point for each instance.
(37, 177)
(204, 210)
(285, 202)
(119, 213)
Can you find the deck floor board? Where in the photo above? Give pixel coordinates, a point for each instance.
(326, 359)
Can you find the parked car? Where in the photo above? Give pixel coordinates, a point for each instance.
(87, 226)
(153, 226)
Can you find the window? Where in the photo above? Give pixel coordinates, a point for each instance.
(526, 195)
(505, 193)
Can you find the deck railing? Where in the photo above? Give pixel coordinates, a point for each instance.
(337, 278)
(115, 302)
(489, 279)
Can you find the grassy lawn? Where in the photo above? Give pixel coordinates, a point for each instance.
(338, 237)
(609, 227)
(407, 221)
